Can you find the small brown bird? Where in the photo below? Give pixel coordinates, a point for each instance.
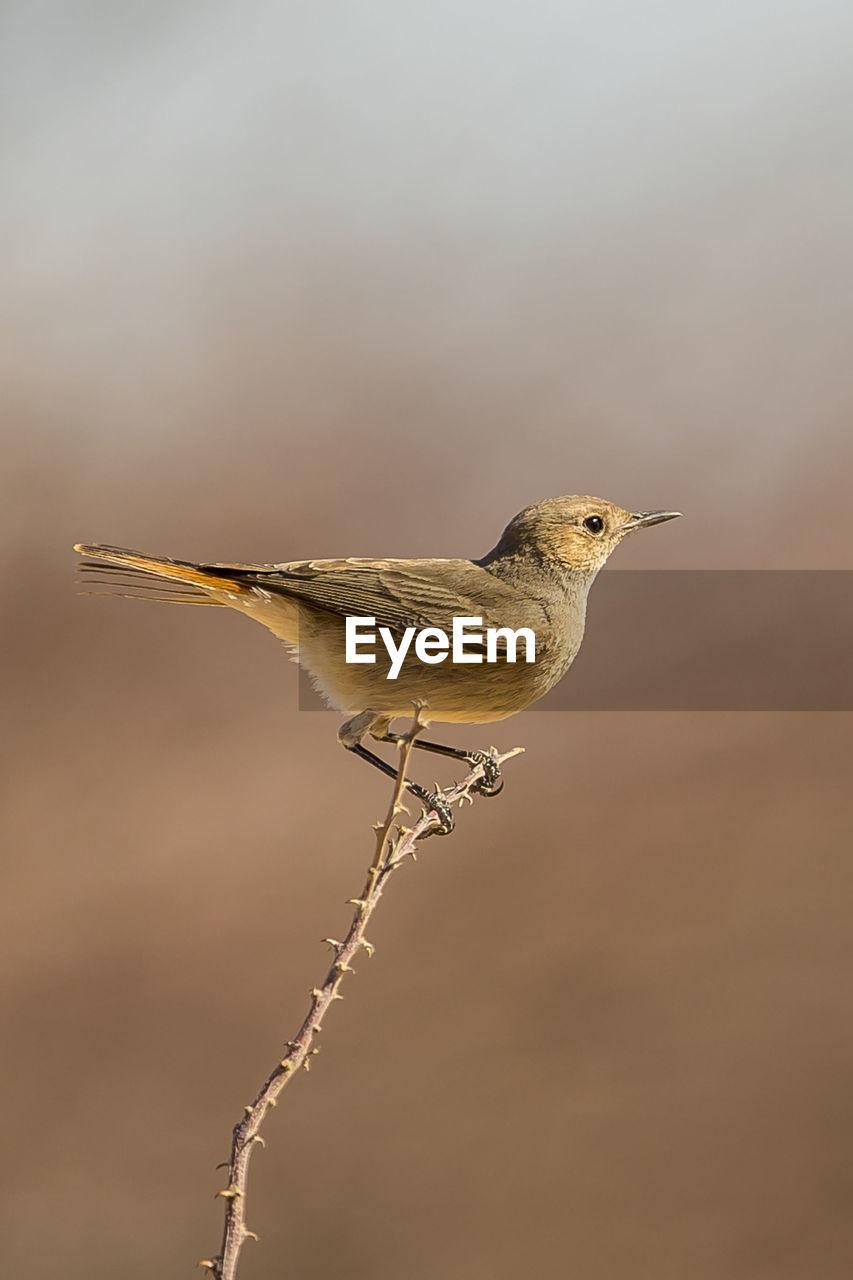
(534, 582)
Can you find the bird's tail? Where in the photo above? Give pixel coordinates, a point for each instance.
(116, 571)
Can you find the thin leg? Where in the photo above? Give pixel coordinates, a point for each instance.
(430, 801)
(492, 783)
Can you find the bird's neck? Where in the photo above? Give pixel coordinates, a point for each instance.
(534, 575)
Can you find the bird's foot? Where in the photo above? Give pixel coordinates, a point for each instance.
(491, 783)
(437, 808)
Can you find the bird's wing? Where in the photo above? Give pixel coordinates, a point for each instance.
(398, 593)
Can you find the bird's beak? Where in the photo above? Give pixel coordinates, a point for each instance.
(644, 519)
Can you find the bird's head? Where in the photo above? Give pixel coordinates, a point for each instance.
(575, 532)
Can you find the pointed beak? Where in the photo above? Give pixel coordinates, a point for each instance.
(645, 519)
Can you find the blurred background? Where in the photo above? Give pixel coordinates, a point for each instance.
(284, 281)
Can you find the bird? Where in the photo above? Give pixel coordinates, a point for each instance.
(535, 579)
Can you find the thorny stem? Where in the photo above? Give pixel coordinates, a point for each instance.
(390, 852)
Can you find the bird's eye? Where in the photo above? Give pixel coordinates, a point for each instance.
(595, 524)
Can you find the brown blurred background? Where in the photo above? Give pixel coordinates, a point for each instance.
(286, 281)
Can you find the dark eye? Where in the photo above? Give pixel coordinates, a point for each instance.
(595, 524)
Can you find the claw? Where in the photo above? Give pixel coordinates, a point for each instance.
(491, 783)
(484, 789)
(434, 803)
(440, 810)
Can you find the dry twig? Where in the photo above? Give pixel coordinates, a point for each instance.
(389, 853)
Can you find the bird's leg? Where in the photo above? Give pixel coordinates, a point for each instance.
(491, 783)
(349, 736)
(430, 801)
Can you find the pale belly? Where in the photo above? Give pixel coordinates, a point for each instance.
(475, 693)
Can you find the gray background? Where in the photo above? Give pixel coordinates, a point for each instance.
(285, 281)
